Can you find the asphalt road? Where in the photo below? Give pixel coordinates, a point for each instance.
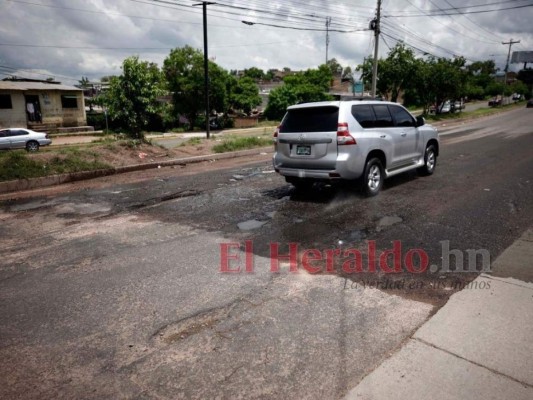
(112, 288)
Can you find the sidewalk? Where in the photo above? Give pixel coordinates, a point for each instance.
(478, 346)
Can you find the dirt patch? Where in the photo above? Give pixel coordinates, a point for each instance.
(124, 153)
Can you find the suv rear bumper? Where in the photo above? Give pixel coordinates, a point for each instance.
(341, 172)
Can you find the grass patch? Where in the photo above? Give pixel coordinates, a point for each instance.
(21, 165)
(241, 143)
(195, 141)
(267, 123)
(466, 114)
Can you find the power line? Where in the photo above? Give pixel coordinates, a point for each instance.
(473, 22)
(303, 29)
(457, 12)
(13, 69)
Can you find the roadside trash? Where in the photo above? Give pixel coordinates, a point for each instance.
(142, 155)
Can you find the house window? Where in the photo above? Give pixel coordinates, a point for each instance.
(5, 101)
(69, 101)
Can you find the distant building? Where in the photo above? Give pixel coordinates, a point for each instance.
(40, 104)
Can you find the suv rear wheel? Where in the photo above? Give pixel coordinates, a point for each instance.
(373, 177)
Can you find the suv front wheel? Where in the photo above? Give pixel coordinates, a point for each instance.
(430, 161)
(373, 177)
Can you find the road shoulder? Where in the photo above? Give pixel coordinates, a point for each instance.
(477, 346)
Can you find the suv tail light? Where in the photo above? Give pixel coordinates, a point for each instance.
(343, 135)
(276, 132)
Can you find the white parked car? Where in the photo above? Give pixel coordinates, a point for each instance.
(22, 138)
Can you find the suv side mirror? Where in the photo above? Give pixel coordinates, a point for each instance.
(420, 121)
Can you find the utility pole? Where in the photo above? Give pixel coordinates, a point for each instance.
(510, 43)
(204, 5)
(375, 25)
(328, 23)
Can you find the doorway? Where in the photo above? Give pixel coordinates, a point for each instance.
(33, 109)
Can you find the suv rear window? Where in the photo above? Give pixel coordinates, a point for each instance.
(315, 119)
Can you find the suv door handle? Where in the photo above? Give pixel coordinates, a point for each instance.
(404, 134)
(383, 136)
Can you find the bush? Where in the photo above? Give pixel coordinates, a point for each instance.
(97, 120)
(17, 165)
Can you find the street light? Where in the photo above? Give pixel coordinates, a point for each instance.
(204, 5)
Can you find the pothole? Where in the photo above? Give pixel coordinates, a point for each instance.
(190, 326)
(250, 225)
(388, 221)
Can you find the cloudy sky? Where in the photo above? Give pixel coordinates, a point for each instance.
(68, 39)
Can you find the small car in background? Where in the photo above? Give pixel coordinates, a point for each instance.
(497, 101)
(22, 138)
(529, 103)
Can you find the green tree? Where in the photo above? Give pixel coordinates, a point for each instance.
(84, 82)
(526, 76)
(347, 74)
(480, 77)
(254, 73)
(334, 67)
(184, 72)
(439, 79)
(132, 97)
(311, 85)
(396, 73)
(245, 95)
(270, 74)
(520, 88)
(366, 74)
(320, 77)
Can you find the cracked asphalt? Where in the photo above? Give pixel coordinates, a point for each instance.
(111, 288)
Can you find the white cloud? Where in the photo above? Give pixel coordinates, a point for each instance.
(75, 43)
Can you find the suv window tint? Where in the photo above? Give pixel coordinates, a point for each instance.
(364, 115)
(315, 119)
(383, 117)
(401, 117)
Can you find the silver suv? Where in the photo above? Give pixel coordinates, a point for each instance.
(349, 140)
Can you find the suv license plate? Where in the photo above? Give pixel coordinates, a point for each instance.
(303, 150)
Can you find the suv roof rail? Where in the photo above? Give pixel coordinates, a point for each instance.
(361, 98)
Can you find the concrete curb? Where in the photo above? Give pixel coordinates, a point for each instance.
(67, 134)
(34, 183)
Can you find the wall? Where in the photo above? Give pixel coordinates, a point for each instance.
(51, 109)
(16, 116)
(53, 112)
(245, 122)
